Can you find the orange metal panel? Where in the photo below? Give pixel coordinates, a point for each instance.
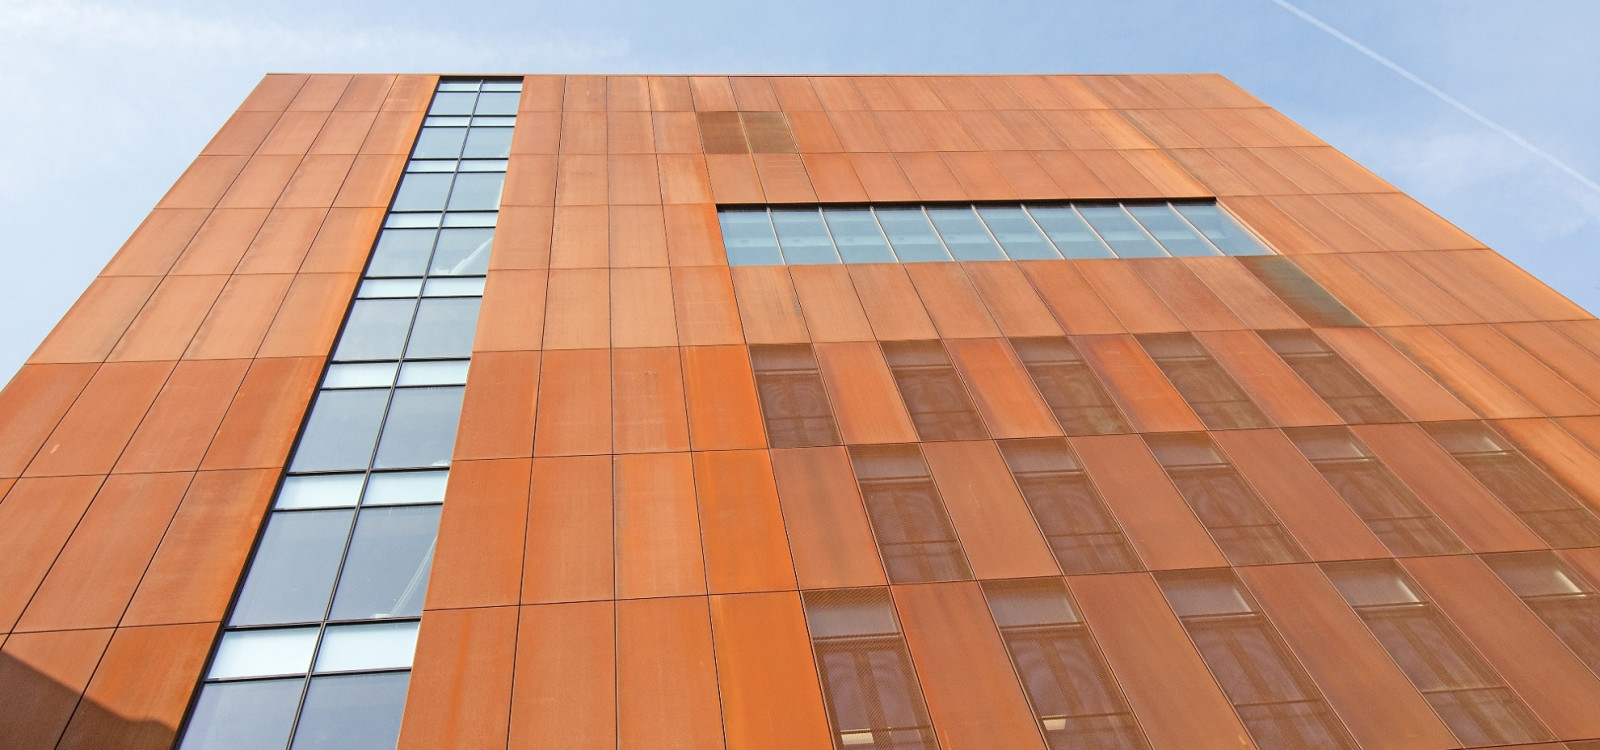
(580, 237)
(157, 243)
(866, 402)
(237, 323)
(370, 182)
(1010, 298)
(365, 93)
(1464, 376)
(1559, 453)
(1254, 304)
(771, 698)
(320, 93)
(1543, 388)
(891, 302)
(583, 132)
(1027, 179)
(96, 321)
(274, 92)
(241, 134)
(205, 181)
(666, 675)
(1401, 381)
(176, 432)
(1445, 270)
(1168, 686)
(637, 236)
(858, 132)
(930, 178)
(1134, 303)
(1002, 389)
(1285, 398)
(795, 93)
(658, 527)
(1137, 384)
(828, 300)
(97, 427)
(577, 309)
(542, 93)
(460, 690)
(631, 179)
(478, 562)
(411, 93)
(694, 237)
(648, 412)
(1076, 305)
(996, 529)
(41, 678)
(565, 687)
(1156, 519)
(392, 133)
(711, 93)
(260, 182)
(498, 407)
(950, 300)
(978, 175)
(1184, 294)
(265, 415)
(220, 242)
(703, 300)
(1544, 302)
(670, 93)
(721, 395)
(734, 178)
(1362, 684)
(537, 133)
(741, 525)
(1422, 297)
(294, 132)
(1455, 496)
(524, 237)
(881, 177)
(768, 307)
(973, 695)
(196, 568)
(685, 178)
(631, 132)
(1073, 175)
(574, 414)
(310, 315)
(568, 555)
(828, 533)
(642, 308)
(1577, 365)
(283, 242)
(814, 132)
(36, 519)
(1317, 517)
(147, 675)
(513, 308)
(530, 181)
(168, 321)
(675, 133)
(581, 179)
(31, 406)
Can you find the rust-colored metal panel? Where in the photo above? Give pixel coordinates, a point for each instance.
(768, 306)
(392, 133)
(310, 315)
(648, 413)
(581, 179)
(96, 321)
(1137, 384)
(344, 132)
(1254, 304)
(1076, 305)
(36, 519)
(497, 408)
(996, 529)
(828, 532)
(978, 175)
(1405, 285)
(564, 691)
(274, 92)
(741, 525)
(631, 131)
(343, 241)
(241, 134)
(834, 179)
(658, 528)
(632, 179)
(950, 300)
(1135, 304)
(828, 300)
(814, 132)
(1545, 303)
(478, 562)
(712, 93)
(1556, 685)
(574, 414)
(260, 182)
(577, 309)
(676, 133)
(1154, 516)
(158, 242)
(685, 178)
(42, 676)
(411, 93)
(1002, 389)
(460, 690)
(1362, 684)
(1285, 398)
(720, 392)
(734, 178)
(94, 431)
(930, 178)
(1558, 452)
(147, 674)
(637, 236)
(568, 555)
(282, 243)
(641, 308)
(1482, 522)
(178, 429)
(583, 132)
(221, 241)
(766, 677)
(537, 133)
(320, 92)
(784, 179)
(694, 237)
(530, 180)
(1166, 683)
(891, 302)
(265, 414)
(1465, 377)
(523, 238)
(365, 93)
(513, 309)
(293, 133)
(31, 406)
(197, 567)
(881, 177)
(1317, 517)
(858, 133)
(1405, 384)
(542, 93)
(865, 400)
(1011, 299)
(1577, 365)
(205, 181)
(1446, 271)
(973, 695)
(1027, 178)
(666, 675)
(236, 325)
(580, 237)
(1544, 389)
(704, 305)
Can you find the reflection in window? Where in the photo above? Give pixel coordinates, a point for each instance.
(294, 568)
(1406, 526)
(1208, 389)
(1070, 388)
(1280, 705)
(1567, 602)
(1081, 531)
(342, 430)
(873, 697)
(913, 531)
(794, 402)
(1345, 390)
(934, 396)
(1545, 506)
(1466, 693)
(1242, 525)
(1073, 695)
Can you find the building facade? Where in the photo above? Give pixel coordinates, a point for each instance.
(798, 412)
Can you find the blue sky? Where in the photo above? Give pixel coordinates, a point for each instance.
(107, 103)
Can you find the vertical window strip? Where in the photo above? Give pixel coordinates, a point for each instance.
(1071, 389)
(915, 538)
(872, 692)
(1539, 501)
(1246, 530)
(1081, 531)
(1219, 402)
(1344, 389)
(1565, 601)
(933, 393)
(794, 401)
(318, 644)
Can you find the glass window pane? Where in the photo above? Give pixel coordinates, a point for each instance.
(320, 491)
(472, 219)
(260, 653)
(407, 487)
(911, 235)
(1067, 230)
(452, 372)
(1017, 234)
(340, 433)
(494, 121)
(421, 429)
(431, 165)
(964, 234)
(482, 165)
(462, 252)
(459, 85)
(1221, 230)
(386, 571)
(255, 715)
(388, 645)
(491, 103)
(857, 235)
(515, 85)
(402, 252)
(1172, 231)
(1121, 232)
(749, 240)
(439, 143)
(292, 574)
(361, 375)
(452, 103)
(389, 288)
(446, 121)
(479, 191)
(412, 221)
(471, 286)
(352, 712)
(444, 328)
(488, 143)
(376, 329)
(803, 237)
(422, 192)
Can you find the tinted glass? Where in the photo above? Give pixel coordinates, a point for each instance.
(1172, 231)
(462, 252)
(803, 237)
(964, 234)
(386, 572)
(1221, 230)
(477, 191)
(292, 575)
(341, 431)
(444, 328)
(1017, 233)
(857, 235)
(421, 429)
(911, 235)
(401, 252)
(422, 192)
(352, 712)
(1121, 232)
(488, 143)
(492, 103)
(253, 715)
(376, 329)
(1066, 229)
(748, 238)
(439, 143)
(453, 103)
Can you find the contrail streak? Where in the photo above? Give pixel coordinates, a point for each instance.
(1446, 98)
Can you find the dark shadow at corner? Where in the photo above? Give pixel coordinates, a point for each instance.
(38, 713)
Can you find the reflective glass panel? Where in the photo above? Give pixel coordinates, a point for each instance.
(488, 143)
(492, 103)
(452, 103)
(360, 375)
(385, 645)
(748, 237)
(857, 235)
(462, 252)
(477, 191)
(450, 372)
(911, 235)
(1172, 231)
(386, 571)
(340, 433)
(439, 143)
(1221, 230)
(406, 487)
(1069, 233)
(376, 329)
(964, 234)
(352, 712)
(293, 571)
(254, 715)
(471, 286)
(320, 491)
(803, 237)
(263, 653)
(389, 288)
(422, 192)
(1017, 233)
(401, 252)
(1121, 232)
(444, 328)
(421, 429)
